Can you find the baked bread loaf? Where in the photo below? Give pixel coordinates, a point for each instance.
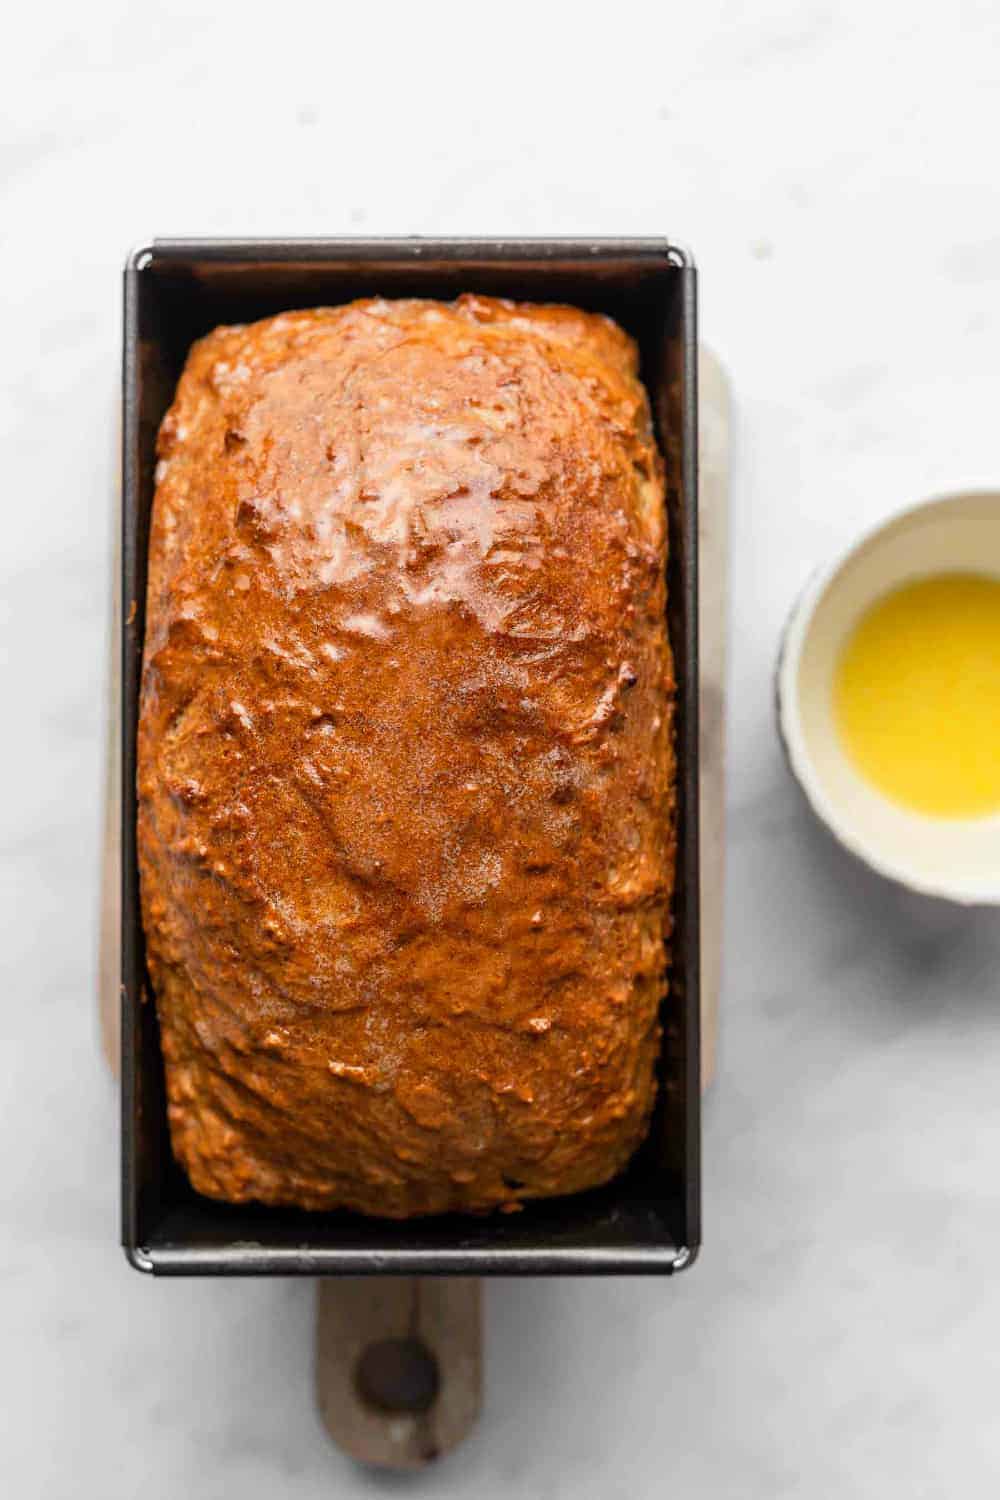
(406, 777)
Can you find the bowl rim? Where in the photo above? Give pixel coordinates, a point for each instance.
(790, 732)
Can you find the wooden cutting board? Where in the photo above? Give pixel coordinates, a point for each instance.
(399, 1360)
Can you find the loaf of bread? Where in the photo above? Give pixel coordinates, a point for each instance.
(406, 777)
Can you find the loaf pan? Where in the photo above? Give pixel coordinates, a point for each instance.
(648, 1220)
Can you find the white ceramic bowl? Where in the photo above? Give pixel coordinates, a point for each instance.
(955, 859)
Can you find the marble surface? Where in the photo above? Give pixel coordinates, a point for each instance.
(833, 166)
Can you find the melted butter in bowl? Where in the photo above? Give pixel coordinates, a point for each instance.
(889, 698)
(917, 695)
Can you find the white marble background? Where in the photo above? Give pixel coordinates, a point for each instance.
(834, 168)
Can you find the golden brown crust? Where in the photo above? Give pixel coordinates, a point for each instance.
(405, 766)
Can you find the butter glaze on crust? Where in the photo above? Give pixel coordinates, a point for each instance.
(406, 777)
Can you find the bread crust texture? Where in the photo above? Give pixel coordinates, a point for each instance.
(406, 776)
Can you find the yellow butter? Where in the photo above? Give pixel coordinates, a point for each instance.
(917, 695)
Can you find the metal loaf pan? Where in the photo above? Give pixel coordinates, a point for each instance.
(649, 1218)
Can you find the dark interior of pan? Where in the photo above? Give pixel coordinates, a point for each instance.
(648, 1219)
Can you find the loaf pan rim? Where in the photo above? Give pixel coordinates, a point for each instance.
(404, 253)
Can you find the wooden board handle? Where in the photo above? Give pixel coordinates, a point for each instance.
(399, 1366)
